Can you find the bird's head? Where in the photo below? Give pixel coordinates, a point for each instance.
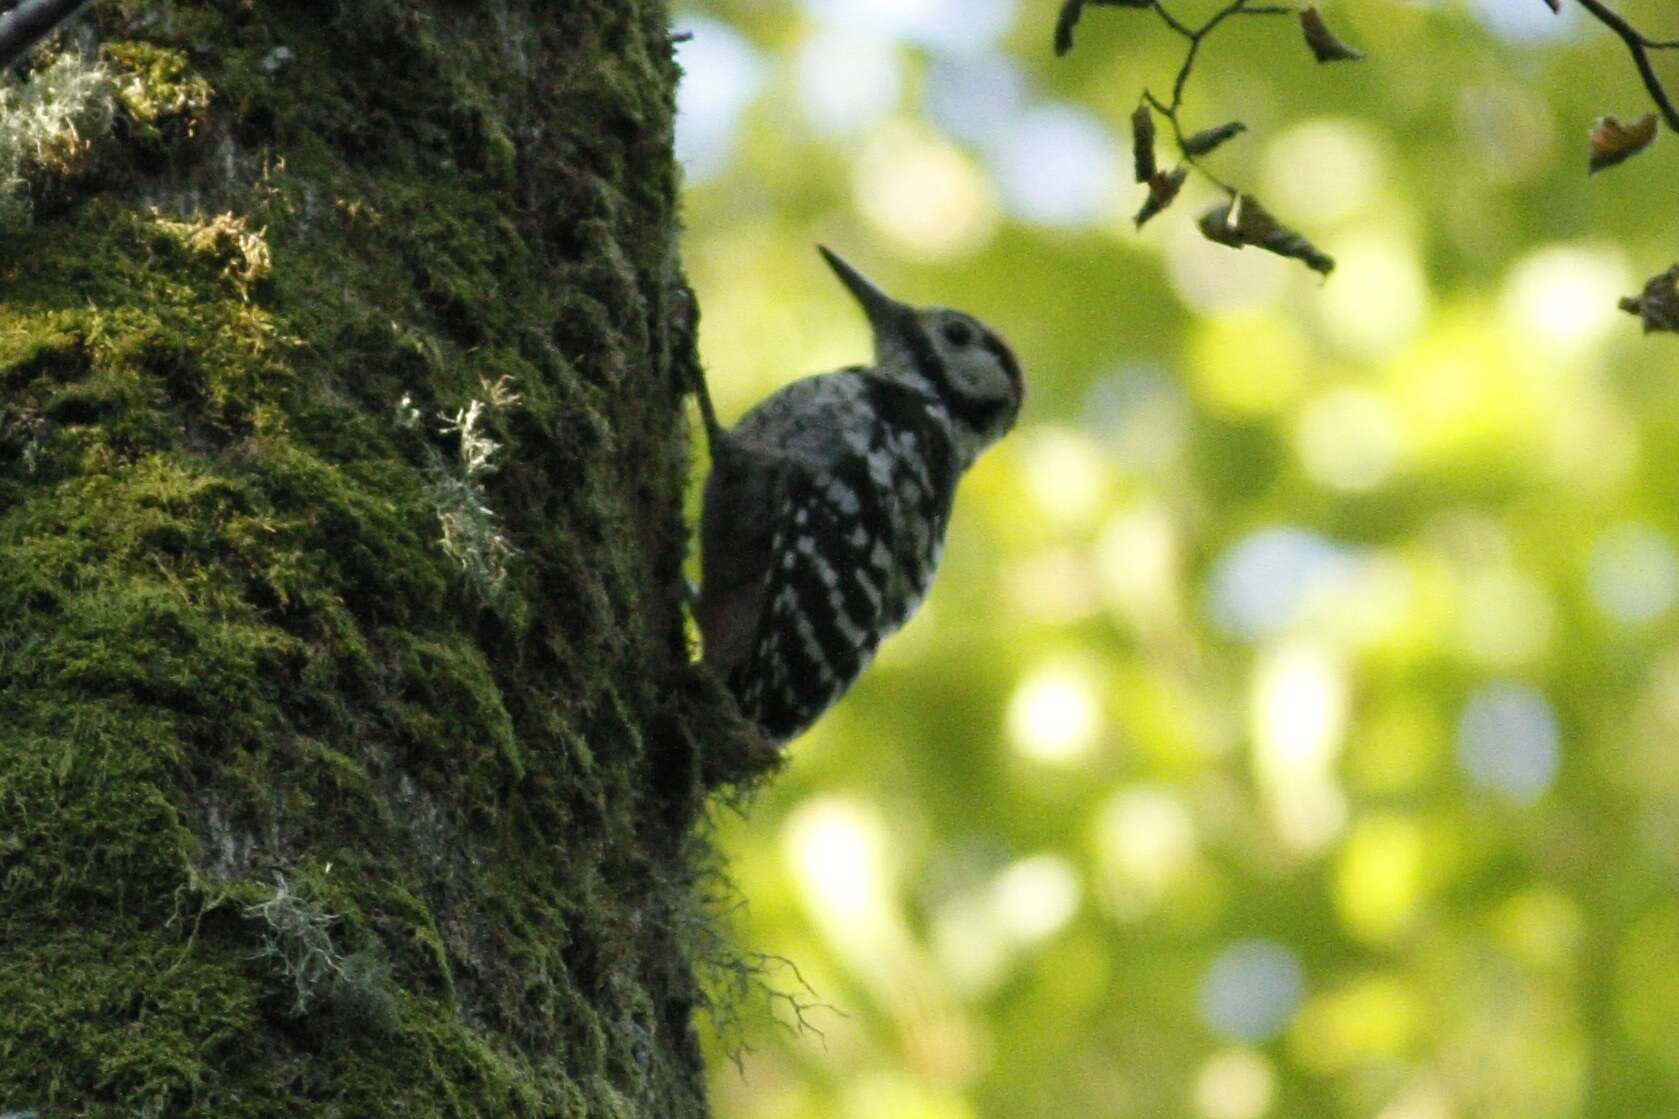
(950, 355)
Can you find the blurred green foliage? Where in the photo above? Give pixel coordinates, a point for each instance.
(1293, 729)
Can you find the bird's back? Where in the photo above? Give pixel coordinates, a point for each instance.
(823, 521)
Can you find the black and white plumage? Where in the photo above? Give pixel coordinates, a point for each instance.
(825, 513)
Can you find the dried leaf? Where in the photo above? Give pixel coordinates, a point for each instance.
(1163, 187)
(1071, 10)
(1064, 24)
(1658, 306)
(1325, 46)
(1142, 143)
(1613, 142)
(1207, 139)
(1243, 221)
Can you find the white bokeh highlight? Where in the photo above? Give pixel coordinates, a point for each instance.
(1054, 716)
(722, 73)
(957, 26)
(1349, 439)
(922, 193)
(1526, 21)
(1145, 840)
(847, 80)
(1141, 416)
(1508, 741)
(968, 97)
(1056, 165)
(1269, 580)
(1633, 574)
(1330, 168)
(1565, 296)
(1032, 899)
(1251, 991)
(1235, 1084)
(1300, 699)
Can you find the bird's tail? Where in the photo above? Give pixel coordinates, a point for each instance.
(688, 323)
(713, 430)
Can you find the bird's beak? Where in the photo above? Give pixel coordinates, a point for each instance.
(886, 315)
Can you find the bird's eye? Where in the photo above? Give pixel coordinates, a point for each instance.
(958, 333)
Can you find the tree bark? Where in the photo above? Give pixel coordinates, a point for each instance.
(301, 811)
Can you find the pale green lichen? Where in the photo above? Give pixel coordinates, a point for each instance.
(472, 537)
(48, 123)
(298, 937)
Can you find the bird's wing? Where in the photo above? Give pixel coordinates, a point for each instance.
(829, 570)
(741, 499)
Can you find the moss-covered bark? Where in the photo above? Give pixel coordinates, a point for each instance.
(298, 814)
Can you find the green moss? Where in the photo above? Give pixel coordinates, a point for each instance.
(157, 89)
(236, 651)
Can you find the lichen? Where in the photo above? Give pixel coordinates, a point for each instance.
(472, 537)
(298, 938)
(48, 124)
(235, 648)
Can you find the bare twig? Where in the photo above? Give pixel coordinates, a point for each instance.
(1640, 45)
(1244, 222)
(29, 23)
(1241, 221)
(1196, 36)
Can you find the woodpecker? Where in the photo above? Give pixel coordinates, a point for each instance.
(824, 516)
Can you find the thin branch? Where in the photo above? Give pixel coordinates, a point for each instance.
(1640, 45)
(1173, 21)
(29, 23)
(1195, 36)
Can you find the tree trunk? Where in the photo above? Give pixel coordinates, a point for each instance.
(350, 755)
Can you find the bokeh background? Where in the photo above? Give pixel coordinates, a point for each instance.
(1293, 729)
